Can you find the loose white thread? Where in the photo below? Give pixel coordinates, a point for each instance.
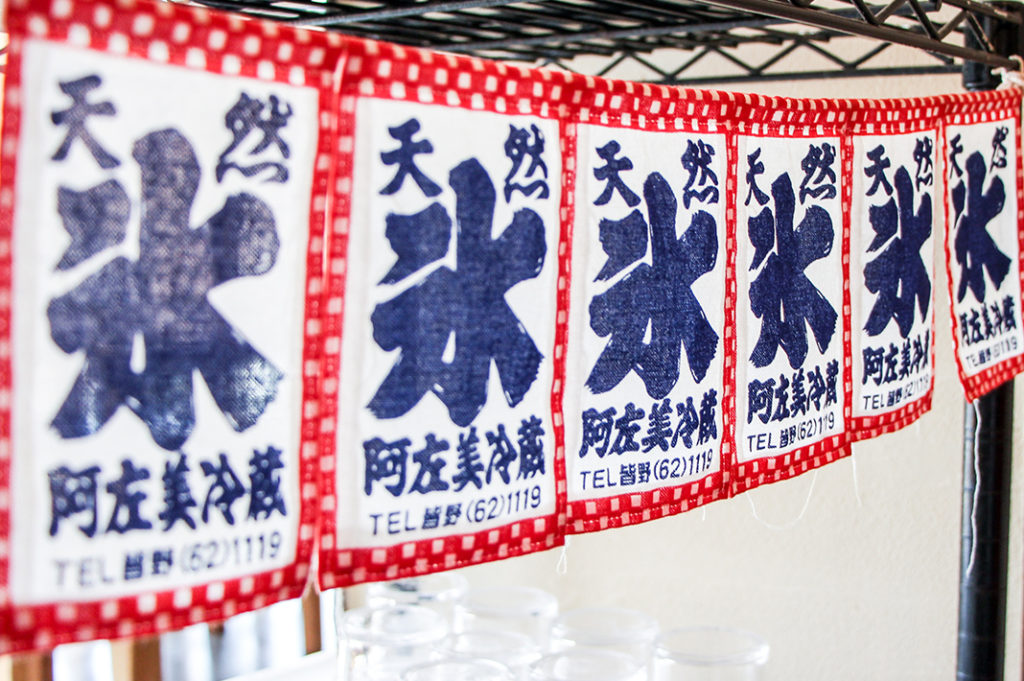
(562, 567)
(974, 494)
(792, 523)
(856, 482)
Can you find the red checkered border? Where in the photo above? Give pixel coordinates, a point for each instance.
(217, 43)
(659, 108)
(386, 71)
(983, 107)
(875, 425)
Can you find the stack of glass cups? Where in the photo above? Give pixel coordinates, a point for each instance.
(380, 643)
(588, 664)
(515, 650)
(439, 592)
(622, 630)
(458, 670)
(709, 654)
(522, 609)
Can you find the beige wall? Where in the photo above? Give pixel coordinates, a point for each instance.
(863, 585)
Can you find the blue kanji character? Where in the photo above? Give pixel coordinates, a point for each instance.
(503, 453)
(467, 304)
(431, 517)
(428, 476)
(658, 296)
(974, 327)
(163, 561)
(997, 318)
(265, 484)
(987, 321)
(518, 147)
(906, 360)
(597, 431)
(876, 171)
(754, 168)
(531, 448)
(95, 219)
(643, 472)
(386, 460)
(626, 429)
(468, 467)
(405, 158)
(75, 117)
(177, 495)
(781, 399)
(921, 347)
(955, 149)
(760, 396)
(1009, 313)
(71, 493)
(976, 251)
(246, 116)
(696, 161)
(708, 420)
(162, 299)
(874, 361)
(998, 148)
(688, 423)
(627, 474)
(127, 514)
(819, 159)
(898, 275)
(224, 490)
(609, 174)
(134, 566)
(816, 388)
(831, 382)
(923, 175)
(452, 513)
(782, 296)
(624, 241)
(798, 398)
(659, 429)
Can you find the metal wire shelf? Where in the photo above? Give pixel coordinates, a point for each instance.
(559, 32)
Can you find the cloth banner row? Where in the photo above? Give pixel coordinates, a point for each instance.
(270, 293)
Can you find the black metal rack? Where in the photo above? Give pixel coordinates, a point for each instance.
(689, 32)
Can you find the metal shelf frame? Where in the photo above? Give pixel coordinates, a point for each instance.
(684, 34)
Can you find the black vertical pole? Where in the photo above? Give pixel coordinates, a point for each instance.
(988, 444)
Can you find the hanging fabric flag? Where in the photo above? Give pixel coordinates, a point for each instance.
(983, 237)
(895, 210)
(646, 384)
(792, 333)
(159, 440)
(447, 433)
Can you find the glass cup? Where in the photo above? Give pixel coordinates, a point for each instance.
(709, 654)
(588, 664)
(619, 629)
(513, 649)
(438, 592)
(379, 643)
(467, 669)
(524, 609)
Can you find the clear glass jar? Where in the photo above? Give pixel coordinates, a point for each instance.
(379, 643)
(515, 650)
(619, 629)
(528, 610)
(458, 670)
(709, 654)
(587, 664)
